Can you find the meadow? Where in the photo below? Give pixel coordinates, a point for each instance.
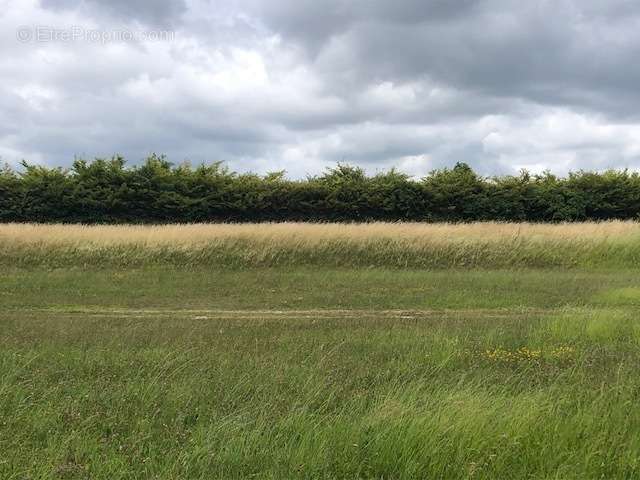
(333, 351)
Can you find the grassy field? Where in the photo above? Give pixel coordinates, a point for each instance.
(202, 352)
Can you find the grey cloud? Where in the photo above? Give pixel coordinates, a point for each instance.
(271, 84)
(564, 52)
(157, 12)
(313, 23)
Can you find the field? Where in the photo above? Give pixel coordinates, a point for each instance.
(384, 351)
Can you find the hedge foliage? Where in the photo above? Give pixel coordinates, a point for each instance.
(108, 191)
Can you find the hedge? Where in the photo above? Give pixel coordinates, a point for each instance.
(109, 191)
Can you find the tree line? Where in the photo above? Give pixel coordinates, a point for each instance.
(109, 191)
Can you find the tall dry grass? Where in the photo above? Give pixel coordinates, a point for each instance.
(403, 245)
(197, 234)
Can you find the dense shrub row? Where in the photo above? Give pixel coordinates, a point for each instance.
(107, 191)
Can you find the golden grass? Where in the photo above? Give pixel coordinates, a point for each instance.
(612, 244)
(185, 235)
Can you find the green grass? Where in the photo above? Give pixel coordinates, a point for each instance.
(305, 288)
(318, 373)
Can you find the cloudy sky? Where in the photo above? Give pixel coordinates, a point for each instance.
(302, 84)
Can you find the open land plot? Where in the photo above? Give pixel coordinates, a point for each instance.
(299, 371)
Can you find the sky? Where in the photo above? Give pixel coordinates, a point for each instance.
(299, 85)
